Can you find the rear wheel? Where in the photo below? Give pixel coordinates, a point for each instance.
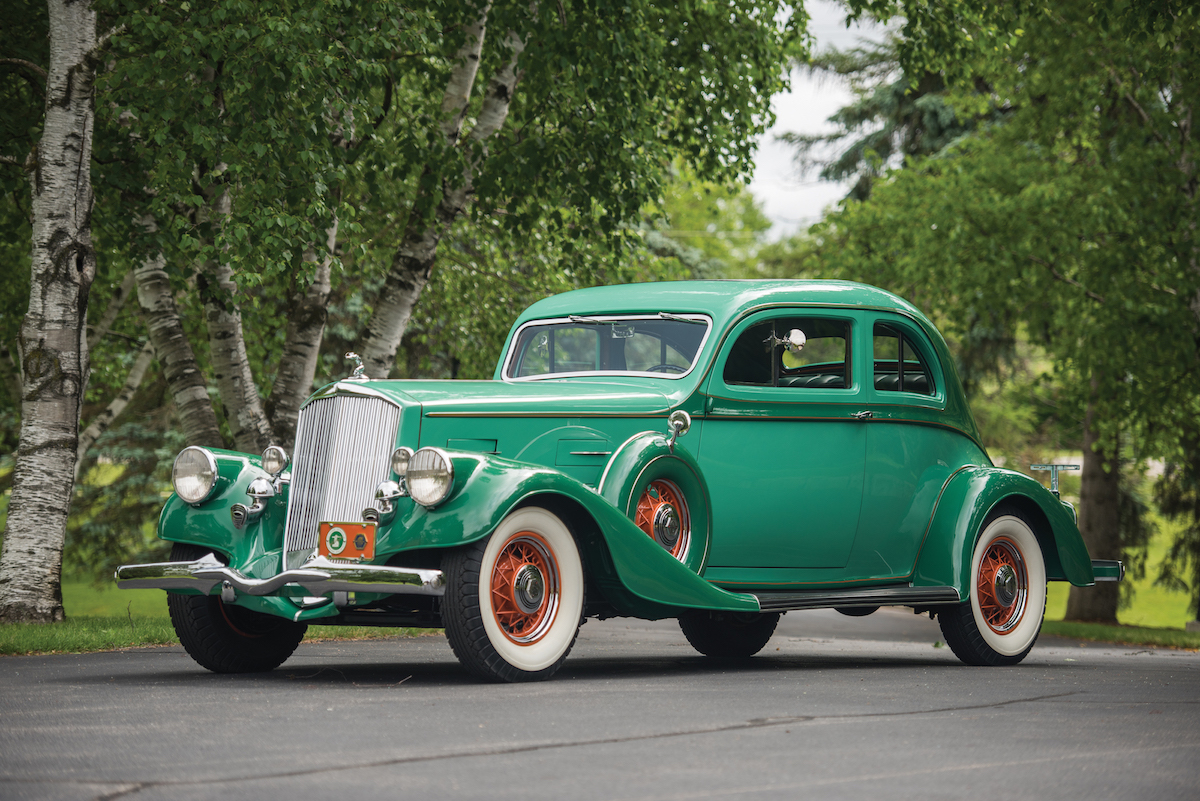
(728, 635)
(514, 601)
(1002, 620)
(226, 638)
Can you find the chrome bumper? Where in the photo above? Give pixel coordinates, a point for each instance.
(317, 576)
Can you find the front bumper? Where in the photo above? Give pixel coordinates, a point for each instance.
(316, 577)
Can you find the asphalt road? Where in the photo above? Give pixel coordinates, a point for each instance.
(834, 708)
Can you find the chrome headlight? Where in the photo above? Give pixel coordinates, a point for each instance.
(430, 476)
(274, 460)
(401, 458)
(194, 474)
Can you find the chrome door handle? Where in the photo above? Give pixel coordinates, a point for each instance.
(863, 415)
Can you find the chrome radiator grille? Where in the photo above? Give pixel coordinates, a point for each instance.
(343, 450)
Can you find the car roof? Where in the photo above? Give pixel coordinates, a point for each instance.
(721, 299)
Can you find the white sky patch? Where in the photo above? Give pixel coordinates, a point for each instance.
(793, 201)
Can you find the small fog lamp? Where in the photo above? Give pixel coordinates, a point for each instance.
(400, 461)
(274, 460)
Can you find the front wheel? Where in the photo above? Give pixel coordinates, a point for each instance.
(728, 635)
(1002, 619)
(514, 601)
(226, 638)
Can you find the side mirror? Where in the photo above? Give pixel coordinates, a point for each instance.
(795, 341)
(679, 423)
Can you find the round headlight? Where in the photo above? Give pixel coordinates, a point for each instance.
(430, 476)
(194, 474)
(400, 459)
(274, 460)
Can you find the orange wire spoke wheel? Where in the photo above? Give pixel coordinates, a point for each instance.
(663, 514)
(525, 588)
(1003, 585)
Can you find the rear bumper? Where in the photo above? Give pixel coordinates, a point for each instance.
(1108, 569)
(317, 577)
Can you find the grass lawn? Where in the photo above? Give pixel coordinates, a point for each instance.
(106, 619)
(1152, 607)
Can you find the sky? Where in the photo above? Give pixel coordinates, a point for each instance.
(793, 201)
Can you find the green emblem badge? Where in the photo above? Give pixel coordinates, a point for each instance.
(335, 540)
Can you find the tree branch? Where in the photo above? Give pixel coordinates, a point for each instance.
(114, 309)
(34, 75)
(116, 406)
(1060, 277)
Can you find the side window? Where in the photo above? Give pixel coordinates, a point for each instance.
(759, 358)
(892, 349)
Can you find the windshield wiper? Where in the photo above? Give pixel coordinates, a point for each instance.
(678, 319)
(575, 318)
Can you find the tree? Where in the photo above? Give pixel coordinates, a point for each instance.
(585, 107)
(53, 341)
(1074, 218)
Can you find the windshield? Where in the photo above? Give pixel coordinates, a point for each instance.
(662, 345)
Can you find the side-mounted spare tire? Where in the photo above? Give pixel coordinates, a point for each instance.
(226, 638)
(662, 490)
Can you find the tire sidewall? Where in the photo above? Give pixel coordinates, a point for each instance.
(1022, 636)
(679, 473)
(550, 648)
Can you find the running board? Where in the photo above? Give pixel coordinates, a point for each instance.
(866, 597)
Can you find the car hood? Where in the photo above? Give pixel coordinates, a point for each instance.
(567, 397)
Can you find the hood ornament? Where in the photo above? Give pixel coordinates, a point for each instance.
(358, 374)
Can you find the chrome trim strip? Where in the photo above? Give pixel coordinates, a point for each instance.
(318, 576)
(869, 596)
(604, 318)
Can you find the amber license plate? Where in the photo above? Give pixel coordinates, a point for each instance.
(346, 540)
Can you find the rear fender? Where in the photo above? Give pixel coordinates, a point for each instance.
(965, 502)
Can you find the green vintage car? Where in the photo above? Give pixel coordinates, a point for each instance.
(720, 452)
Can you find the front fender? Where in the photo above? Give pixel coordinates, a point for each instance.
(488, 487)
(964, 503)
(253, 549)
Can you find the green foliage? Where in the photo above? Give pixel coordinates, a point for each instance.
(891, 118)
(118, 501)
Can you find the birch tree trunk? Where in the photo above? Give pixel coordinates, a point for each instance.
(53, 339)
(185, 380)
(117, 405)
(302, 345)
(414, 258)
(227, 348)
(1100, 525)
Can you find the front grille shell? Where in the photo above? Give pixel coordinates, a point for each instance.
(343, 450)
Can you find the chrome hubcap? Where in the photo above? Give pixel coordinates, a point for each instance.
(529, 589)
(1006, 586)
(666, 526)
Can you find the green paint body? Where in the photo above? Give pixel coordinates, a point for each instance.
(788, 487)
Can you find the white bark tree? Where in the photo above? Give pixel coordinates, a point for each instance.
(185, 379)
(414, 259)
(53, 341)
(302, 346)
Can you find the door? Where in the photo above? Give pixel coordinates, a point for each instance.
(783, 450)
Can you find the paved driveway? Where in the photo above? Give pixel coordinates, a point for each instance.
(874, 712)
